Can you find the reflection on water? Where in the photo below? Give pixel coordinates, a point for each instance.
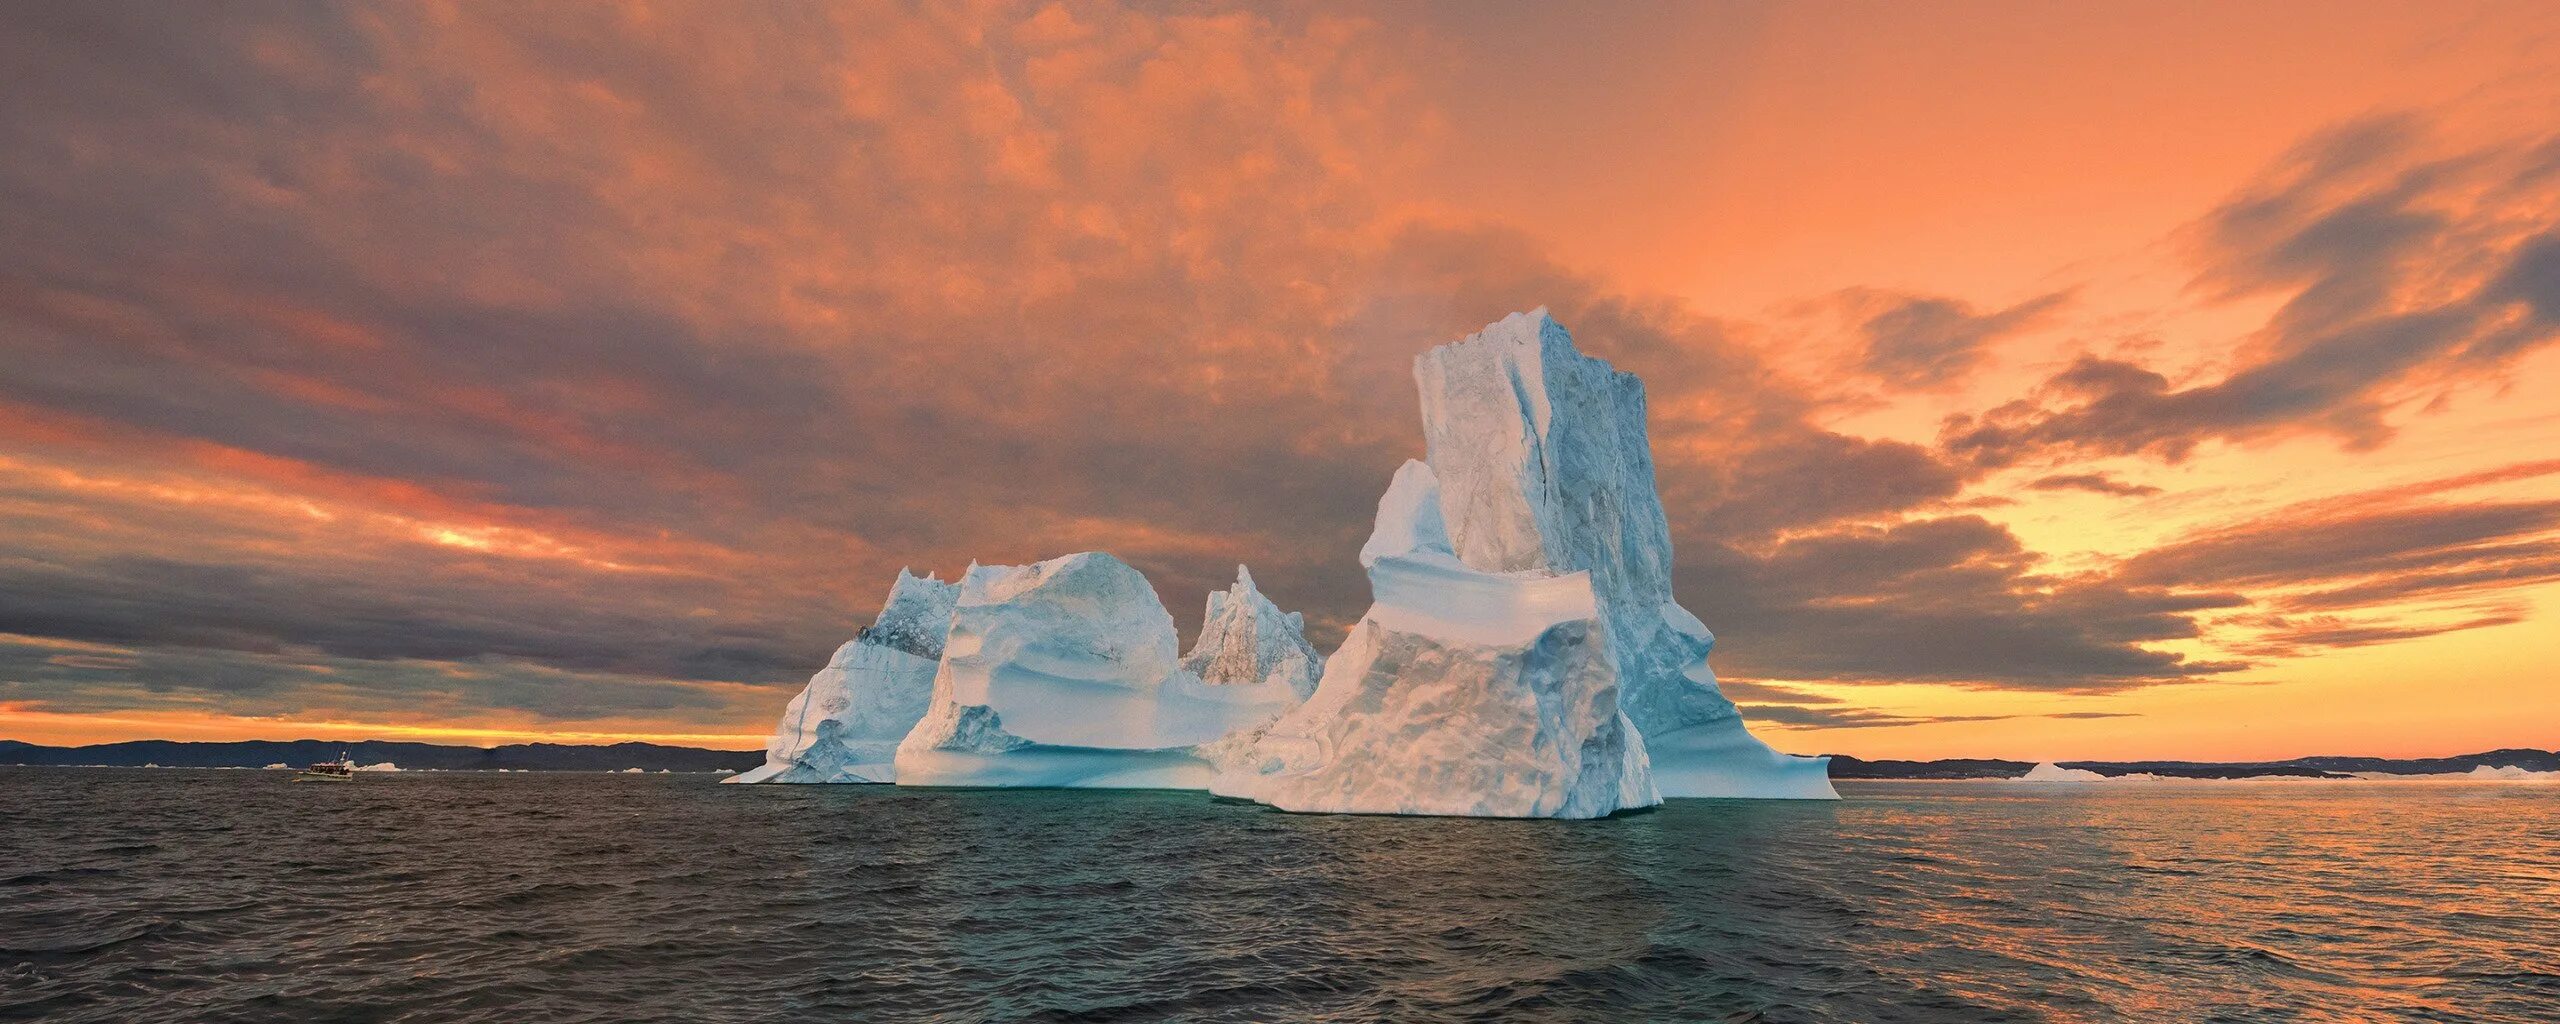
(130, 895)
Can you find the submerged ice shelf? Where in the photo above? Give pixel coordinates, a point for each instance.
(1523, 655)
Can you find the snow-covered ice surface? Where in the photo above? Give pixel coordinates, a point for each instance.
(1542, 463)
(1460, 692)
(1064, 673)
(845, 725)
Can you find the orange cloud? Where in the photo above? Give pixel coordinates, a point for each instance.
(457, 367)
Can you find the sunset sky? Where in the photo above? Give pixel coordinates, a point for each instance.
(2028, 380)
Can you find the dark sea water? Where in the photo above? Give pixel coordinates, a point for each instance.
(136, 896)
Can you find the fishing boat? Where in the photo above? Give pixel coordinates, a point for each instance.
(341, 770)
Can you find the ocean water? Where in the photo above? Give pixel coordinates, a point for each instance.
(186, 896)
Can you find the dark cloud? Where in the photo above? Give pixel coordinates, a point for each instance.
(806, 295)
(1858, 718)
(2094, 483)
(2417, 547)
(47, 677)
(1920, 342)
(2282, 636)
(241, 578)
(572, 363)
(2379, 552)
(1748, 691)
(1853, 718)
(1953, 599)
(2406, 275)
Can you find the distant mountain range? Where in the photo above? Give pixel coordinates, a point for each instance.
(541, 757)
(567, 757)
(1846, 767)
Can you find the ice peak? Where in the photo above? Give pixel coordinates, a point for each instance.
(1245, 639)
(915, 616)
(1532, 328)
(1409, 517)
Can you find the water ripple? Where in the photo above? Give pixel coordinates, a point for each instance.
(170, 896)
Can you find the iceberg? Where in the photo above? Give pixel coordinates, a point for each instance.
(1542, 463)
(2050, 772)
(1064, 673)
(1460, 692)
(1523, 655)
(845, 726)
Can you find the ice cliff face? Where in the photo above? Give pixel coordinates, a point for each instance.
(845, 726)
(1542, 463)
(1245, 640)
(1063, 673)
(1460, 692)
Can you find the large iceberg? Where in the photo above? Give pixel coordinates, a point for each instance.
(845, 726)
(1064, 673)
(1523, 655)
(1460, 692)
(1542, 463)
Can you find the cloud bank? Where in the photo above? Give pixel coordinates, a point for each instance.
(430, 362)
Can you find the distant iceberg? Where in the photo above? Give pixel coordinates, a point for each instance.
(2056, 774)
(2510, 773)
(385, 766)
(2492, 773)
